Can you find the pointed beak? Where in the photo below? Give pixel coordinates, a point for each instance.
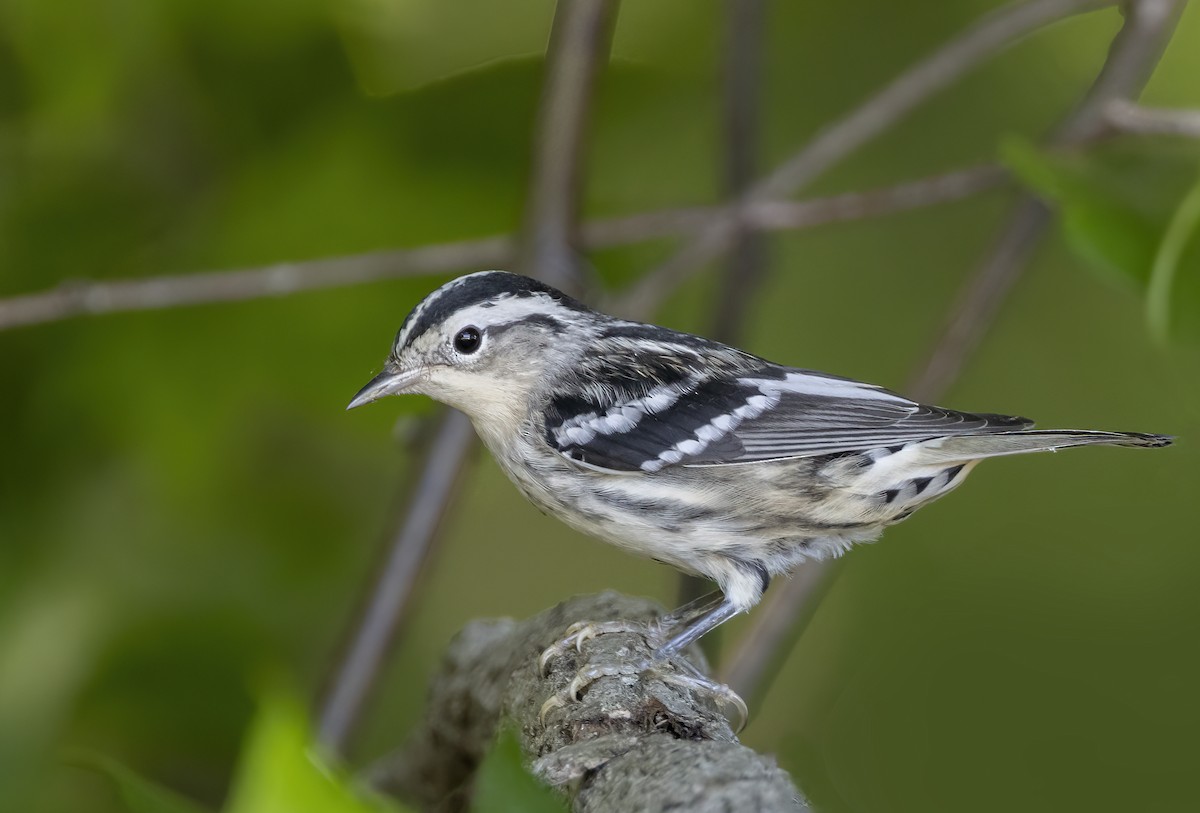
(392, 381)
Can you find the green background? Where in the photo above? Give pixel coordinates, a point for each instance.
(184, 502)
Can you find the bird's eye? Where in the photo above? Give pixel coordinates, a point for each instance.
(467, 340)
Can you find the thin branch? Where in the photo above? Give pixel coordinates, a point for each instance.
(578, 44)
(746, 267)
(643, 299)
(1126, 117)
(376, 627)
(81, 298)
(1135, 51)
(97, 298)
(917, 194)
(713, 235)
(991, 34)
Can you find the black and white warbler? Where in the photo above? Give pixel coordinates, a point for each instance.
(676, 447)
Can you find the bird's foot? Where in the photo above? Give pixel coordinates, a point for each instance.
(677, 671)
(728, 702)
(581, 632)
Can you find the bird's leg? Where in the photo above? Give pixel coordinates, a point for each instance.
(664, 627)
(702, 620)
(701, 623)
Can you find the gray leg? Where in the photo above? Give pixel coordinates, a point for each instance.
(665, 627)
(709, 619)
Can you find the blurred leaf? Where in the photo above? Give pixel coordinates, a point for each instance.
(280, 772)
(504, 785)
(1101, 223)
(140, 795)
(1128, 210)
(1180, 230)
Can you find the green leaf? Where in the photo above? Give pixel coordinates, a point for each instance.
(503, 784)
(1129, 209)
(1104, 226)
(280, 771)
(140, 795)
(1180, 231)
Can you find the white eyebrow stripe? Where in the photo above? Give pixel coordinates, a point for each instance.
(508, 309)
(502, 309)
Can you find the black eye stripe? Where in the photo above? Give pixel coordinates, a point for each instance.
(467, 340)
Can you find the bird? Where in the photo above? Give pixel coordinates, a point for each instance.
(691, 452)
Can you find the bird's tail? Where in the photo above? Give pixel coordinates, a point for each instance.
(998, 444)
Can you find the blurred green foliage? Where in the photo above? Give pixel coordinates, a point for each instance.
(502, 783)
(279, 771)
(1128, 209)
(183, 499)
(139, 794)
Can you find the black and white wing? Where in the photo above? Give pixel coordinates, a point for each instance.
(695, 415)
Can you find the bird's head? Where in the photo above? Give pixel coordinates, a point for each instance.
(482, 343)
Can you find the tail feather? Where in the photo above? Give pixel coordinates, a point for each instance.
(997, 444)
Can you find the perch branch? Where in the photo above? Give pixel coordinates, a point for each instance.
(628, 744)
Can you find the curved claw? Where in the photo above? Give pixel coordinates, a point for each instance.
(729, 704)
(584, 678)
(726, 697)
(580, 633)
(555, 701)
(590, 674)
(692, 679)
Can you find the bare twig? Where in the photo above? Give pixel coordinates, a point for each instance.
(644, 298)
(901, 197)
(1135, 51)
(154, 293)
(745, 270)
(375, 629)
(973, 313)
(991, 34)
(579, 41)
(1124, 116)
(746, 267)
